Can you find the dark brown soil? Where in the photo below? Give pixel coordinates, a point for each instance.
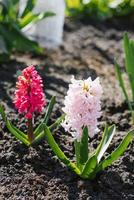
(35, 173)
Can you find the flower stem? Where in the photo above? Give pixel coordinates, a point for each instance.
(30, 131)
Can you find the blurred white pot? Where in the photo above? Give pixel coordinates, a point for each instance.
(49, 31)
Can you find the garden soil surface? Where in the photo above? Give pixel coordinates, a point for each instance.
(35, 173)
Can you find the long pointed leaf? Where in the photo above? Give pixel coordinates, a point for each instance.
(16, 40)
(121, 81)
(32, 18)
(117, 152)
(2, 112)
(81, 149)
(77, 153)
(29, 7)
(106, 139)
(19, 131)
(89, 168)
(122, 85)
(41, 134)
(59, 153)
(84, 146)
(57, 123)
(16, 134)
(49, 110)
(3, 47)
(4, 117)
(102, 140)
(38, 138)
(40, 128)
(129, 61)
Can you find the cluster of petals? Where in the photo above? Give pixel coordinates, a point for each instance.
(82, 107)
(29, 97)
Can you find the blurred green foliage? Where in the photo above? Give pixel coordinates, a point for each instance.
(12, 22)
(129, 67)
(99, 9)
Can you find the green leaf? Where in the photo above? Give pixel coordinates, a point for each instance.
(4, 57)
(40, 128)
(58, 152)
(16, 40)
(129, 61)
(31, 18)
(16, 133)
(2, 112)
(10, 9)
(41, 134)
(4, 54)
(77, 153)
(121, 81)
(89, 168)
(38, 138)
(3, 47)
(84, 146)
(49, 109)
(57, 123)
(81, 149)
(29, 7)
(8, 38)
(117, 152)
(19, 131)
(11, 23)
(6, 5)
(104, 144)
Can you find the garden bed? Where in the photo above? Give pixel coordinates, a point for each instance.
(34, 173)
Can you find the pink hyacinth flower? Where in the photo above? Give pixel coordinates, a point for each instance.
(82, 107)
(29, 97)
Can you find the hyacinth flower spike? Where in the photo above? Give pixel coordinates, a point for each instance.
(29, 100)
(82, 108)
(29, 97)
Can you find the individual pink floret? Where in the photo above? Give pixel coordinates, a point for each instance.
(82, 107)
(29, 97)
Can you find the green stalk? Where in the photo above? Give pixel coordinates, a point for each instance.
(30, 131)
